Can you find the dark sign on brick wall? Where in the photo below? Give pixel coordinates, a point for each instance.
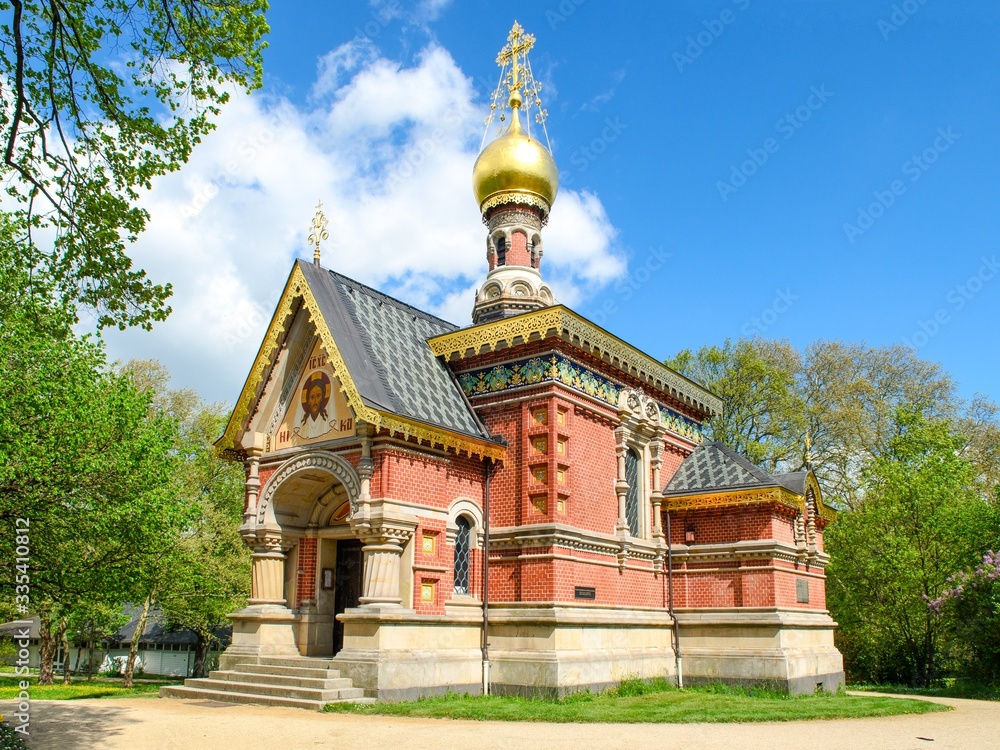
(802, 591)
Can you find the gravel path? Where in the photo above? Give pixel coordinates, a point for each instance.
(164, 724)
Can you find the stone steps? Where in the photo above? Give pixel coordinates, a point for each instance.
(297, 661)
(296, 682)
(320, 673)
(246, 675)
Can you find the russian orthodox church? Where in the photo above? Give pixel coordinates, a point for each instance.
(526, 504)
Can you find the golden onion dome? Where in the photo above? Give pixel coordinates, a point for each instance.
(515, 163)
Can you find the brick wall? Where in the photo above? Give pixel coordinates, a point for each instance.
(305, 584)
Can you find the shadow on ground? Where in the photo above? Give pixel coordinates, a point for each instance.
(58, 725)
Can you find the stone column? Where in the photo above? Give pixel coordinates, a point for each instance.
(252, 486)
(383, 552)
(621, 485)
(268, 573)
(811, 510)
(361, 508)
(656, 496)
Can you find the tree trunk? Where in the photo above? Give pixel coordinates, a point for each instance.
(46, 651)
(133, 648)
(79, 655)
(91, 666)
(67, 668)
(201, 655)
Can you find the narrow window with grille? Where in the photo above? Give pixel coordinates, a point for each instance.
(462, 556)
(632, 464)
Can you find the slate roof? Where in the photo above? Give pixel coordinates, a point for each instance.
(714, 467)
(384, 344)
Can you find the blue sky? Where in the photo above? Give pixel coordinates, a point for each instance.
(799, 170)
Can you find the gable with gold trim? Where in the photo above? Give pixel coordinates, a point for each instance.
(372, 349)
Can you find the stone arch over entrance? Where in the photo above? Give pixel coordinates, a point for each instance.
(312, 462)
(287, 612)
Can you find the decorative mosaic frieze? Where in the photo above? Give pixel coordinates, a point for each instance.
(555, 368)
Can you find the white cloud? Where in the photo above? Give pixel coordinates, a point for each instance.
(389, 149)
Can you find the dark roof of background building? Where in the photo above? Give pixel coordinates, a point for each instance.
(384, 344)
(714, 467)
(156, 630)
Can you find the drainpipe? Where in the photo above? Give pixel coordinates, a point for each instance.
(487, 466)
(670, 607)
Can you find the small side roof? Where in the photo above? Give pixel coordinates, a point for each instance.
(714, 467)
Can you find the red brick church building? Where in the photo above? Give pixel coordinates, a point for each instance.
(392, 459)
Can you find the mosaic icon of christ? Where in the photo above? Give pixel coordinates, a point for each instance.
(313, 420)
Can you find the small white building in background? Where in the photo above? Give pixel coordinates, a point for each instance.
(161, 651)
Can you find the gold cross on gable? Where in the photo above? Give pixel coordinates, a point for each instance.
(318, 231)
(518, 44)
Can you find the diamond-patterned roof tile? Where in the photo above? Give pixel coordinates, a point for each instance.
(384, 345)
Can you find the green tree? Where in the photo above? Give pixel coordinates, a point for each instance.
(99, 98)
(845, 396)
(763, 414)
(971, 605)
(921, 521)
(214, 574)
(86, 464)
(205, 576)
(853, 393)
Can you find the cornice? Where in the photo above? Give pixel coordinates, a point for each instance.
(568, 537)
(559, 321)
(557, 368)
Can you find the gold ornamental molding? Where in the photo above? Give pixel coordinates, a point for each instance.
(584, 335)
(296, 289)
(761, 496)
(521, 197)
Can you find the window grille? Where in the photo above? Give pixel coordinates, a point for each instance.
(462, 556)
(632, 464)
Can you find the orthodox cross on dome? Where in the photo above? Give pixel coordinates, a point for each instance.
(318, 232)
(522, 90)
(518, 43)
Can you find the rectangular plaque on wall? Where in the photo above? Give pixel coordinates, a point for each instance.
(802, 591)
(585, 592)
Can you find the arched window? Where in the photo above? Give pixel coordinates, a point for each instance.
(462, 555)
(501, 252)
(632, 464)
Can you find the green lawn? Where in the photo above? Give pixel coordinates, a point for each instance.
(949, 688)
(656, 702)
(79, 689)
